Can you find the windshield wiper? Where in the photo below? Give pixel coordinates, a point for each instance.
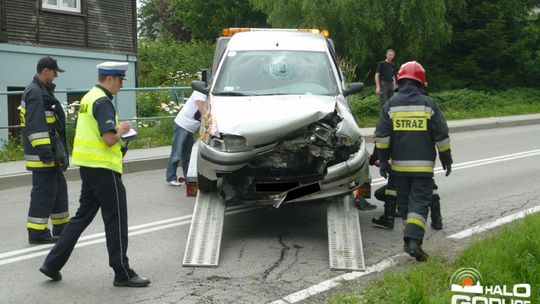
(229, 93)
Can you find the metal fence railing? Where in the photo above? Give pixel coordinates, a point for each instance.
(177, 94)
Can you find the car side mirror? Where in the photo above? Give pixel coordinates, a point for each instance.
(206, 75)
(353, 88)
(200, 86)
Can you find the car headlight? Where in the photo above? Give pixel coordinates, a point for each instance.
(230, 143)
(344, 140)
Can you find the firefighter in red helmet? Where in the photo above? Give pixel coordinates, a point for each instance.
(410, 128)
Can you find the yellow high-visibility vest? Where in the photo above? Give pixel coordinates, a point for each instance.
(89, 149)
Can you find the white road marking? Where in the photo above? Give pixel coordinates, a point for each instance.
(100, 237)
(334, 282)
(474, 163)
(487, 226)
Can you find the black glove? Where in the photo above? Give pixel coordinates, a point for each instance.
(446, 161)
(448, 168)
(383, 169)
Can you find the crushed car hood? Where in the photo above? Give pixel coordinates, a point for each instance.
(265, 119)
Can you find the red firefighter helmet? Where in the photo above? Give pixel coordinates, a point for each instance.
(412, 70)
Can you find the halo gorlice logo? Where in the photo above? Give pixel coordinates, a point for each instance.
(468, 289)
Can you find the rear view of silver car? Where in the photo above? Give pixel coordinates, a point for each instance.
(278, 127)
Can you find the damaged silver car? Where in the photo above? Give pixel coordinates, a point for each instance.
(278, 127)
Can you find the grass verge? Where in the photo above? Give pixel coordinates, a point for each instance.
(508, 257)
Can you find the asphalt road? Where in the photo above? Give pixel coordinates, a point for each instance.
(266, 254)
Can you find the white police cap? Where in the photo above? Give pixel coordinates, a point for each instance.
(113, 68)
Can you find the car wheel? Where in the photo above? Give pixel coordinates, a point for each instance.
(206, 185)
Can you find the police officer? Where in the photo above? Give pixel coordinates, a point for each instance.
(44, 139)
(410, 126)
(98, 151)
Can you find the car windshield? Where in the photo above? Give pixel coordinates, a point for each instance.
(276, 72)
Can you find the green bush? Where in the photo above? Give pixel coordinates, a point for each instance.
(11, 149)
(166, 63)
(458, 104)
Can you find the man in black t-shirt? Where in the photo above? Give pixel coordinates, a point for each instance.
(385, 79)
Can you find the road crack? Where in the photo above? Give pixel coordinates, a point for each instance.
(297, 250)
(282, 254)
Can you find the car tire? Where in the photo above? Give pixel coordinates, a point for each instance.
(205, 184)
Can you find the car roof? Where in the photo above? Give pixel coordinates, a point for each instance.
(278, 40)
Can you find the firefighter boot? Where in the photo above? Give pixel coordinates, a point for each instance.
(361, 204)
(436, 218)
(414, 248)
(58, 229)
(387, 219)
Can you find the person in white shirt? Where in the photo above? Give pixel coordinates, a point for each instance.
(186, 124)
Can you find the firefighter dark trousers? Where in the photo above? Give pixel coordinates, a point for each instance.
(48, 198)
(101, 188)
(414, 197)
(387, 193)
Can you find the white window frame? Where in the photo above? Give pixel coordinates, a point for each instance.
(60, 7)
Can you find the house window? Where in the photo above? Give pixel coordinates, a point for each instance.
(62, 5)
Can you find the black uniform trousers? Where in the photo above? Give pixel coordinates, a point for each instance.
(101, 188)
(414, 197)
(386, 192)
(48, 196)
(388, 195)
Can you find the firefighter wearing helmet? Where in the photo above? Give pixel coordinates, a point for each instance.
(410, 128)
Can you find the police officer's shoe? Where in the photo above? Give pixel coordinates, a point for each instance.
(361, 204)
(55, 276)
(414, 249)
(384, 221)
(45, 240)
(135, 281)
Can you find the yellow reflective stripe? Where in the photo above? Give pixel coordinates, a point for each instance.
(51, 119)
(412, 220)
(382, 145)
(38, 164)
(60, 221)
(23, 115)
(390, 192)
(409, 114)
(40, 141)
(444, 148)
(411, 169)
(36, 226)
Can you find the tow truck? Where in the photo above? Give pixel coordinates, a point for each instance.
(278, 130)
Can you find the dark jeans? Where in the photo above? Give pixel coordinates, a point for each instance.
(180, 151)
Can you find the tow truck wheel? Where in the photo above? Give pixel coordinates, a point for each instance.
(206, 185)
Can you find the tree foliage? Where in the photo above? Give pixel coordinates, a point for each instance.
(201, 20)
(496, 44)
(363, 30)
(462, 43)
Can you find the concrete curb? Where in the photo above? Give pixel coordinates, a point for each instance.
(160, 161)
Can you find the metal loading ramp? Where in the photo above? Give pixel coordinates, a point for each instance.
(204, 240)
(344, 236)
